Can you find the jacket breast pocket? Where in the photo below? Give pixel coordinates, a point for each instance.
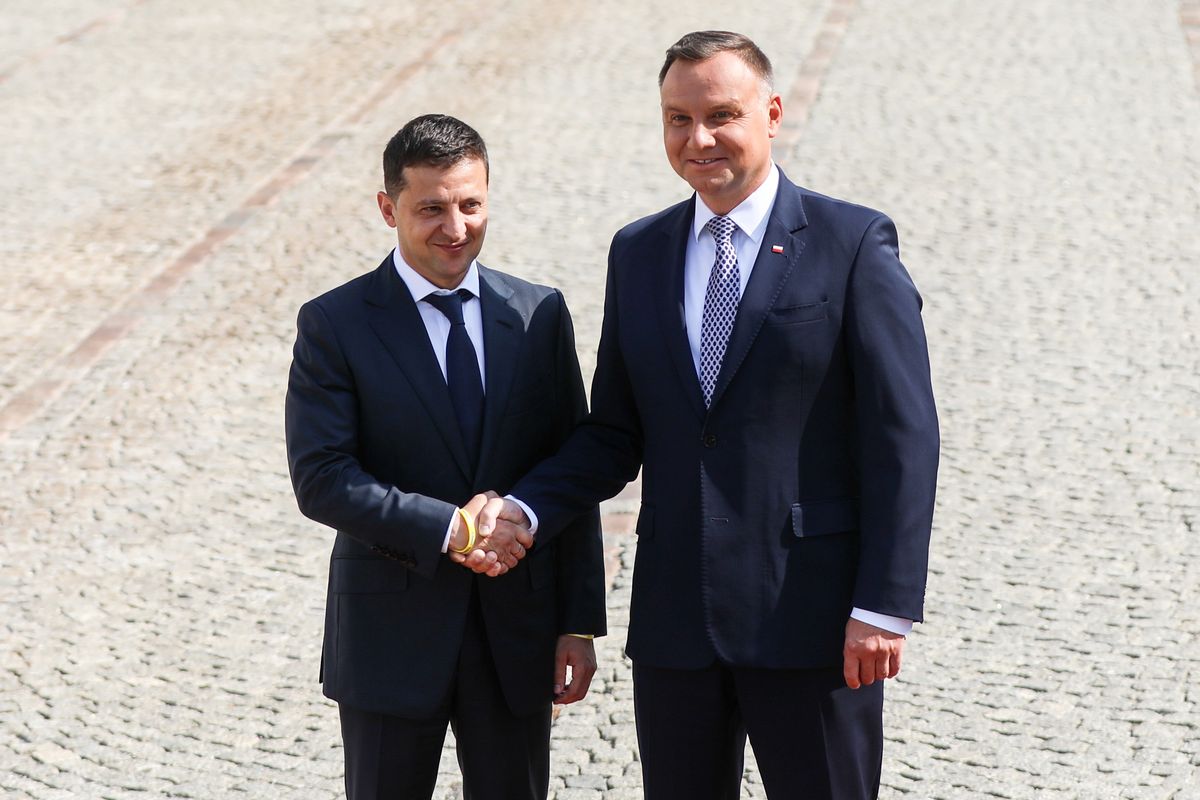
(799, 314)
(366, 576)
(823, 517)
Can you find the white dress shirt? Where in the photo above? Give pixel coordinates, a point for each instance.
(438, 326)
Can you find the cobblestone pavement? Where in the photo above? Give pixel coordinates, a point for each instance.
(181, 176)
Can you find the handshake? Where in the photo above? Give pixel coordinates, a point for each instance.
(489, 535)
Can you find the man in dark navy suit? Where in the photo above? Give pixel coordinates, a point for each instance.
(762, 360)
(412, 388)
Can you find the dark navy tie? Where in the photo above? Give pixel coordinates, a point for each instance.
(462, 370)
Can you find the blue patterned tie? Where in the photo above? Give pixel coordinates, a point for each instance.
(720, 304)
(462, 370)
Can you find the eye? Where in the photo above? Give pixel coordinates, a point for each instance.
(429, 211)
(678, 119)
(723, 115)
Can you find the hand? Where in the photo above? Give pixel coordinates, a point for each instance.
(870, 654)
(580, 656)
(502, 524)
(497, 510)
(499, 545)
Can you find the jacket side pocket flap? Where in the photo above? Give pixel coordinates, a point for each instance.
(366, 576)
(821, 517)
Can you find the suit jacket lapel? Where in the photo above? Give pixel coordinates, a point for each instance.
(393, 315)
(667, 266)
(502, 327)
(771, 271)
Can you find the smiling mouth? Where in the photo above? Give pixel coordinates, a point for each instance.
(705, 161)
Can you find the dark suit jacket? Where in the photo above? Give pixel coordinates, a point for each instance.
(807, 487)
(375, 452)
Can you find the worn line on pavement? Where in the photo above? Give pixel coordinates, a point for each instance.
(1189, 20)
(71, 367)
(806, 85)
(96, 24)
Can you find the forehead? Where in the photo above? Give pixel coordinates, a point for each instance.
(724, 77)
(465, 178)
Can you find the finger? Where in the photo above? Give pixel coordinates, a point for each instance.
(524, 536)
(850, 670)
(475, 504)
(491, 495)
(475, 559)
(581, 679)
(894, 665)
(486, 519)
(883, 666)
(457, 558)
(497, 569)
(517, 551)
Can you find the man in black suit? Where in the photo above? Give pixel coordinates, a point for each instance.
(412, 387)
(762, 360)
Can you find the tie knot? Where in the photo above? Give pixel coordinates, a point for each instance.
(451, 305)
(721, 228)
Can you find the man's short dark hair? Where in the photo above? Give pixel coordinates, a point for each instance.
(703, 45)
(434, 140)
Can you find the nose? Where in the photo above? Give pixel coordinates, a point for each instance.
(455, 225)
(700, 137)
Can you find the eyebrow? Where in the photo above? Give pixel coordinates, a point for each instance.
(722, 106)
(441, 201)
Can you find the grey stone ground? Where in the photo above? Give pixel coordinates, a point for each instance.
(160, 597)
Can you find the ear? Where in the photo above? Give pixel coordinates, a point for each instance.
(774, 114)
(387, 208)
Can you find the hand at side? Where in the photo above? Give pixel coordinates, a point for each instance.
(870, 654)
(580, 656)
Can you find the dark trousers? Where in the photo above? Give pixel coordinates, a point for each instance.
(502, 756)
(813, 738)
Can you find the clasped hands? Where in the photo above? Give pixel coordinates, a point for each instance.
(502, 535)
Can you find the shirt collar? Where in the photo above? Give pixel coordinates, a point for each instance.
(750, 215)
(420, 286)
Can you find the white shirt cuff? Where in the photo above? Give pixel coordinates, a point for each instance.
(533, 522)
(449, 529)
(898, 625)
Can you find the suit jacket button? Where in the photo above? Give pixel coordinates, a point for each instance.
(710, 440)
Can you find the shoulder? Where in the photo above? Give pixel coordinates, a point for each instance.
(836, 214)
(651, 227)
(524, 296)
(344, 298)
(516, 289)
